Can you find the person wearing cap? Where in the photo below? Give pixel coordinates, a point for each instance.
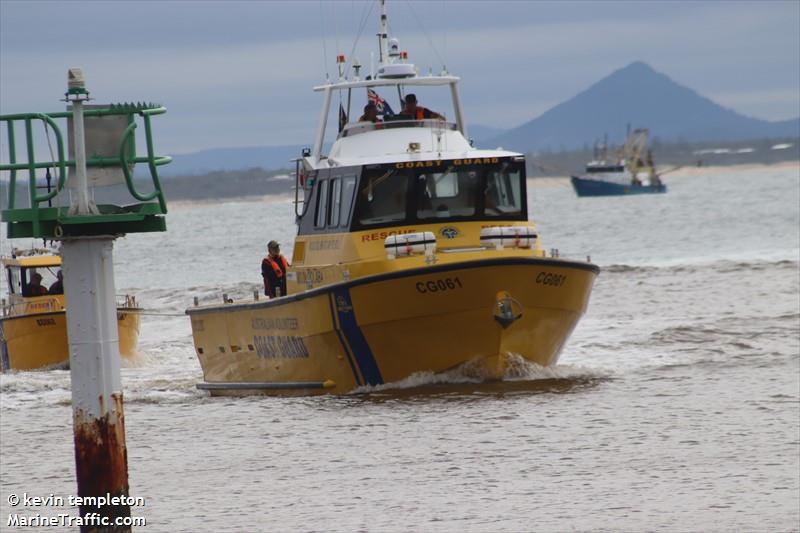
(417, 112)
(370, 114)
(273, 270)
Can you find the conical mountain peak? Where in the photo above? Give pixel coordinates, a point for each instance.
(638, 96)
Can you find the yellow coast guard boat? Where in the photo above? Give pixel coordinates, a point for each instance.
(33, 328)
(414, 254)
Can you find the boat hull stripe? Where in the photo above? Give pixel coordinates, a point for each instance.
(355, 337)
(426, 270)
(347, 351)
(5, 364)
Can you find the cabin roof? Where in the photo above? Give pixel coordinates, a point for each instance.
(394, 145)
(32, 261)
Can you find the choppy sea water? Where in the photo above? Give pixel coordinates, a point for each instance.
(675, 406)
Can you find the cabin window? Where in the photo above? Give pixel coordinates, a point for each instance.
(336, 202)
(452, 193)
(435, 192)
(348, 187)
(48, 274)
(322, 203)
(14, 286)
(382, 197)
(503, 191)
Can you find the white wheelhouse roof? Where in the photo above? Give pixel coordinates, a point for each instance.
(412, 81)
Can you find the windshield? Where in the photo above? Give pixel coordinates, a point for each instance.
(453, 192)
(34, 281)
(433, 191)
(503, 193)
(382, 197)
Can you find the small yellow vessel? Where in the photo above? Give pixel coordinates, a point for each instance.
(414, 254)
(33, 323)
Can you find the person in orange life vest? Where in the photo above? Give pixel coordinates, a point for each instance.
(417, 112)
(35, 286)
(273, 270)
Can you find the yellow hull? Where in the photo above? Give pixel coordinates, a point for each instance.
(384, 328)
(39, 340)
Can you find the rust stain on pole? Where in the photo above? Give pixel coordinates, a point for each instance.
(101, 459)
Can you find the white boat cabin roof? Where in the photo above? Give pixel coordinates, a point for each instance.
(382, 144)
(396, 141)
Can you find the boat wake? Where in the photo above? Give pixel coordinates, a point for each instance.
(32, 389)
(718, 266)
(175, 301)
(521, 375)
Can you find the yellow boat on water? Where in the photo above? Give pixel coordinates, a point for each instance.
(33, 322)
(414, 254)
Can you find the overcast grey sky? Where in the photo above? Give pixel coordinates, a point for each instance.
(239, 73)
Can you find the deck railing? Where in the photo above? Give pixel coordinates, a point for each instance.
(51, 304)
(36, 220)
(364, 127)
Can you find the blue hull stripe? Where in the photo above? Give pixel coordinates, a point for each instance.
(355, 337)
(5, 365)
(338, 331)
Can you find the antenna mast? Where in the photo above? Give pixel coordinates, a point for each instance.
(383, 35)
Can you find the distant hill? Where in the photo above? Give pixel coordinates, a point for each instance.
(481, 134)
(669, 155)
(222, 159)
(644, 98)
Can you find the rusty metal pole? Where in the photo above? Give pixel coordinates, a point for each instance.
(101, 457)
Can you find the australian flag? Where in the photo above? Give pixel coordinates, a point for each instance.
(383, 106)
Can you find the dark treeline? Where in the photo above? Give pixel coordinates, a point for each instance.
(213, 185)
(228, 184)
(669, 154)
(258, 181)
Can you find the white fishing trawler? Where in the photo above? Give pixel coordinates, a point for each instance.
(414, 253)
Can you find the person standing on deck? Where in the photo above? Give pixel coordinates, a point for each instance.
(273, 270)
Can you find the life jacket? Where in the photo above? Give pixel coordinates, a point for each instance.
(275, 266)
(38, 291)
(420, 113)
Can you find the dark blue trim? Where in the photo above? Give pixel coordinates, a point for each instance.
(355, 337)
(359, 381)
(5, 365)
